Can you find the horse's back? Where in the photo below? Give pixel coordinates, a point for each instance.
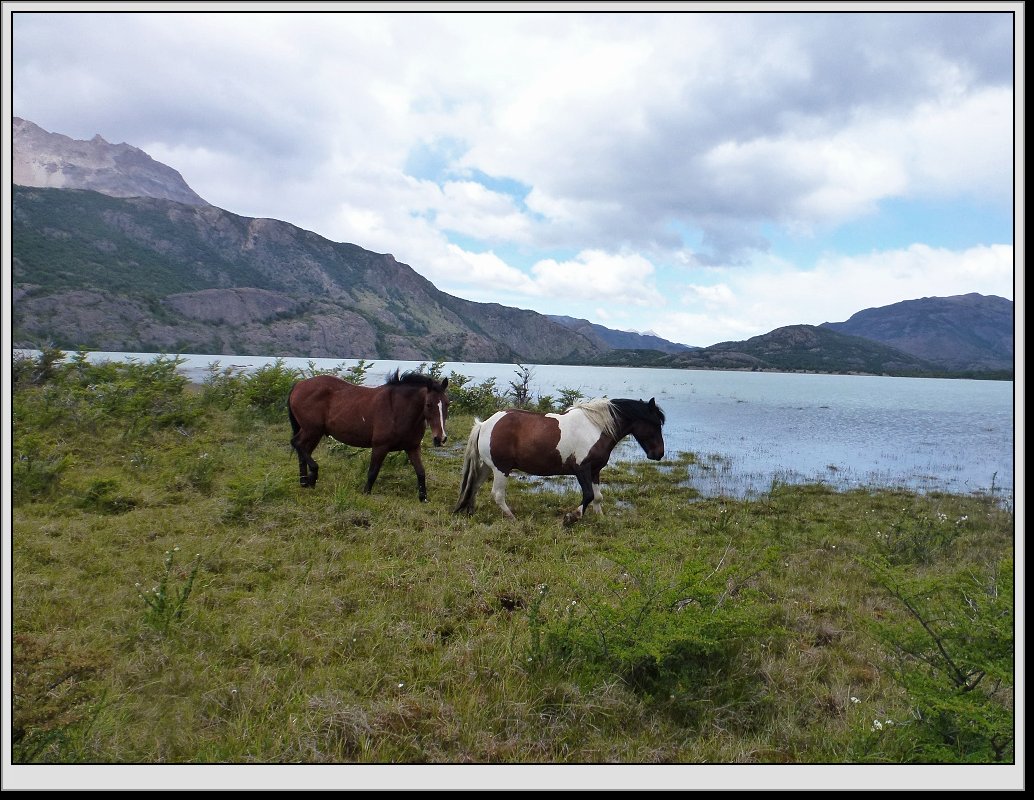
(320, 399)
(523, 440)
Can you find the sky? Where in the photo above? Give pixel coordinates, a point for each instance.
(706, 176)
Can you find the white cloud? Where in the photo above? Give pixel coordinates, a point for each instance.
(470, 209)
(641, 139)
(965, 147)
(456, 267)
(594, 275)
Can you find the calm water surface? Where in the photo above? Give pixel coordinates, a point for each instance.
(750, 429)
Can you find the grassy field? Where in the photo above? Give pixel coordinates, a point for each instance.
(178, 598)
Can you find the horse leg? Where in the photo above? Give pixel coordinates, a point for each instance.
(597, 496)
(376, 459)
(418, 466)
(482, 475)
(584, 476)
(308, 470)
(499, 494)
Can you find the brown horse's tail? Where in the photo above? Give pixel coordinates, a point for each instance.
(472, 465)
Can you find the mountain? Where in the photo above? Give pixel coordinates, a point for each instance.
(113, 251)
(609, 338)
(964, 332)
(143, 274)
(50, 160)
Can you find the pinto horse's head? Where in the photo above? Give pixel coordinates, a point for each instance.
(436, 411)
(645, 421)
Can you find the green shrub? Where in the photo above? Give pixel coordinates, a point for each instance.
(103, 496)
(35, 370)
(36, 470)
(479, 399)
(266, 390)
(164, 602)
(223, 386)
(919, 537)
(953, 655)
(128, 398)
(661, 637)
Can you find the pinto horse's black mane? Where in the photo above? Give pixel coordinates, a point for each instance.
(419, 379)
(633, 410)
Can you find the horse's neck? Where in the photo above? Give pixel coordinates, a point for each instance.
(621, 429)
(416, 408)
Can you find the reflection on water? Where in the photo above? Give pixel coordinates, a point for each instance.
(752, 429)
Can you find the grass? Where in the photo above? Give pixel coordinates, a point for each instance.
(328, 626)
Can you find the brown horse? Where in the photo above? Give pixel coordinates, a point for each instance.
(386, 418)
(578, 442)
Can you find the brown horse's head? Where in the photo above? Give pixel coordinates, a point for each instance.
(645, 421)
(435, 396)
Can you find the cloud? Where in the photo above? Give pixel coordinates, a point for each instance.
(594, 275)
(625, 156)
(470, 209)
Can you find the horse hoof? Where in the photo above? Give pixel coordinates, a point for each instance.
(570, 518)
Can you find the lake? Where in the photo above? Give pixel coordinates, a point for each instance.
(750, 429)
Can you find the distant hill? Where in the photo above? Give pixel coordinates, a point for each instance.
(964, 332)
(794, 348)
(622, 340)
(814, 349)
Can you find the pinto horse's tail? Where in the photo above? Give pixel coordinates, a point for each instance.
(472, 466)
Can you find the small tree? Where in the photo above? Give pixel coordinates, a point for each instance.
(520, 388)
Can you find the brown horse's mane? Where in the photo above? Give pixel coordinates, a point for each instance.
(418, 379)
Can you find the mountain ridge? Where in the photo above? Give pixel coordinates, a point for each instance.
(116, 252)
(962, 332)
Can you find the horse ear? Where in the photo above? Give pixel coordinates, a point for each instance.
(652, 403)
(445, 383)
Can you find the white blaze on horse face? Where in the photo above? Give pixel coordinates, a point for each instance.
(441, 416)
(577, 435)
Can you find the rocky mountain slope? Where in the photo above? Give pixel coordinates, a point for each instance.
(150, 275)
(44, 159)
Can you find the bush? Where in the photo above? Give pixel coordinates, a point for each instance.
(480, 400)
(128, 397)
(954, 657)
(662, 638)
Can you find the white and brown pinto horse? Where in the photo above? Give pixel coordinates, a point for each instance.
(578, 442)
